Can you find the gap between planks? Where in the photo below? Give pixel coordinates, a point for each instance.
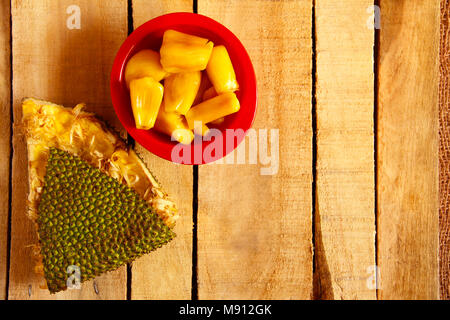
(344, 189)
(376, 54)
(314, 141)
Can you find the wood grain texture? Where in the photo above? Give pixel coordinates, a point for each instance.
(167, 272)
(255, 231)
(345, 186)
(65, 66)
(408, 230)
(5, 139)
(444, 152)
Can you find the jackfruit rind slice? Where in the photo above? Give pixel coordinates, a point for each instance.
(90, 220)
(47, 125)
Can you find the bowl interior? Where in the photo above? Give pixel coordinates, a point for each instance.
(217, 145)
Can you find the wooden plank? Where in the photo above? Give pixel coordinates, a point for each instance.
(255, 231)
(345, 186)
(408, 231)
(444, 152)
(167, 272)
(66, 66)
(5, 140)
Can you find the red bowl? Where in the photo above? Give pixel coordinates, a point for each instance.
(149, 36)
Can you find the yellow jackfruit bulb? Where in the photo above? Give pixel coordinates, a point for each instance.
(180, 90)
(204, 84)
(173, 124)
(218, 121)
(200, 129)
(209, 93)
(145, 63)
(146, 96)
(181, 52)
(213, 109)
(221, 72)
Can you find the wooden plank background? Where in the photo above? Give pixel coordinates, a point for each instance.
(258, 235)
(408, 205)
(166, 273)
(345, 186)
(255, 231)
(65, 66)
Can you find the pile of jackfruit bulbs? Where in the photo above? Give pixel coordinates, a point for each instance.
(188, 85)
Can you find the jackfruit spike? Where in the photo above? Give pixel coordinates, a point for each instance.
(90, 221)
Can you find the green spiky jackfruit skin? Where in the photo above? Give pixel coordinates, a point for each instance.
(90, 220)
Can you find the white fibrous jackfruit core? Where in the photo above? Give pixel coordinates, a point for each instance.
(49, 125)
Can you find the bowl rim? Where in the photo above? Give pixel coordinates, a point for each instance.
(158, 146)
